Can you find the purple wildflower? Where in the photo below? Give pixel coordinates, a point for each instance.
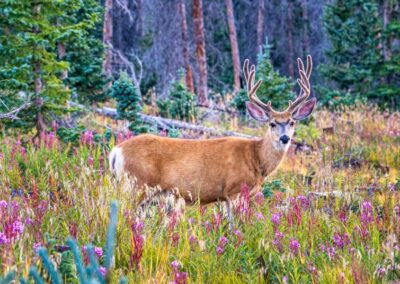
(137, 226)
(192, 240)
(90, 160)
(279, 235)
(175, 266)
(331, 252)
(259, 197)
(3, 203)
(18, 227)
(3, 238)
(98, 251)
(367, 214)
(380, 272)
(337, 240)
(180, 278)
(259, 216)
(305, 203)
(223, 241)
(294, 246)
(103, 271)
(276, 219)
(36, 246)
(219, 250)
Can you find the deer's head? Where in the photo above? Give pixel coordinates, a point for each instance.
(282, 123)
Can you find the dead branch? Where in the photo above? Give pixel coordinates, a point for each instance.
(123, 4)
(13, 113)
(136, 75)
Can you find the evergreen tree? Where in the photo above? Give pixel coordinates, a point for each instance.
(86, 78)
(30, 32)
(356, 62)
(128, 102)
(274, 87)
(181, 104)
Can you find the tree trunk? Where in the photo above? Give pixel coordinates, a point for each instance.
(61, 54)
(140, 20)
(107, 36)
(290, 38)
(387, 17)
(260, 24)
(38, 83)
(185, 46)
(202, 98)
(40, 124)
(234, 46)
(306, 28)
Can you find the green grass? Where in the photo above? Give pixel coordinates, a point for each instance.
(60, 190)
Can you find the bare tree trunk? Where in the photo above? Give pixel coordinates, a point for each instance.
(387, 17)
(107, 37)
(306, 28)
(40, 124)
(290, 38)
(38, 84)
(234, 46)
(140, 20)
(202, 97)
(260, 23)
(185, 46)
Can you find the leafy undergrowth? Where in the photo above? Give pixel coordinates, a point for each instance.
(332, 214)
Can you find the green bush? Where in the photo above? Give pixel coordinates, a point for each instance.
(180, 104)
(128, 103)
(274, 87)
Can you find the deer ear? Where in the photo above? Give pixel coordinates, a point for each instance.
(256, 112)
(305, 110)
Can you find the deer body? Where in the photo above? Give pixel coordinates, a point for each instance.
(208, 170)
(215, 169)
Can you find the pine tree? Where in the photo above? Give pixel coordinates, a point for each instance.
(356, 62)
(181, 104)
(86, 78)
(275, 88)
(31, 31)
(128, 102)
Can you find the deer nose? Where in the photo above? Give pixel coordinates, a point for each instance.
(284, 139)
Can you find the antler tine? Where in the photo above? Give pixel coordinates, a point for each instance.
(304, 83)
(249, 75)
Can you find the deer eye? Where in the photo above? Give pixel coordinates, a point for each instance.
(273, 125)
(291, 123)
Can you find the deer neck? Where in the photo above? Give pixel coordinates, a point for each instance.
(269, 156)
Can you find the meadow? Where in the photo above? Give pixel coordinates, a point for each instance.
(330, 214)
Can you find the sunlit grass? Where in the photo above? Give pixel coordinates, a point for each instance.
(339, 217)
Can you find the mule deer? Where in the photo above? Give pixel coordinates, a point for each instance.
(214, 170)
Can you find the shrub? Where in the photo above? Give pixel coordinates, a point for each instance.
(180, 103)
(128, 103)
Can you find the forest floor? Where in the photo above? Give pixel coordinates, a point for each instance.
(330, 214)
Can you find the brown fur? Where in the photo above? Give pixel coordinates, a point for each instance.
(210, 170)
(215, 169)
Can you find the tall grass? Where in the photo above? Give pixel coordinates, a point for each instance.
(338, 220)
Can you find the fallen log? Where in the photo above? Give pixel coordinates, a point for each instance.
(167, 123)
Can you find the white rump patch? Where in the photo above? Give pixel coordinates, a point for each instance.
(116, 160)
